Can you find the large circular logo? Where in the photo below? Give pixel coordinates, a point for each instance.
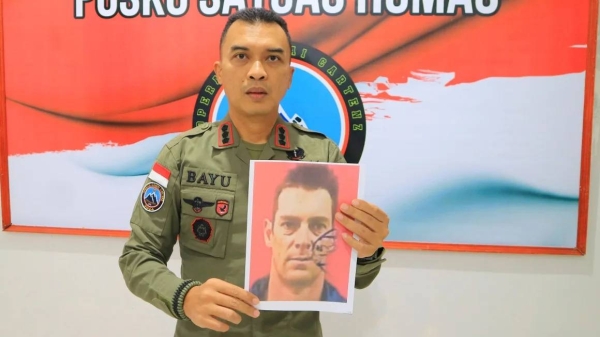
(322, 98)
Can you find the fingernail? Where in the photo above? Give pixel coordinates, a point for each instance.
(256, 313)
(339, 216)
(344, 207)
(355, 202)
(255, 301)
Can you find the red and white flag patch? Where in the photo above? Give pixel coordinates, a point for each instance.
(160, 174)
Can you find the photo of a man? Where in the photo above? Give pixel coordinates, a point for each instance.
(297, 257)
(301, 236)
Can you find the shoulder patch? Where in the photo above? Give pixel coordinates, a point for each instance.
(153, 197)
(303, 129)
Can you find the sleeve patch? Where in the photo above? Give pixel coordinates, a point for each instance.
(153, 197)
(160, 174)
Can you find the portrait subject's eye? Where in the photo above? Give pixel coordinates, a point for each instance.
(273, 58)
(318, 227)
(289, 226)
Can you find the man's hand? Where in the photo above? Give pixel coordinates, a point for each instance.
(367, 221)
(218, 299)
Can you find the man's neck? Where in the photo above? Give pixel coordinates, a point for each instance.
(254, 129)
(280, 291)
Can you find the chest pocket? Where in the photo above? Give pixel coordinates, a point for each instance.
(206, 218)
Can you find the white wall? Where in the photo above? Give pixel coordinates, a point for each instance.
(71, 287)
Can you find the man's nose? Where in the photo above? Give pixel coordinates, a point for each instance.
(303, 238)
(257, 71)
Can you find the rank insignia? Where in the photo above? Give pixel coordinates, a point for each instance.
(197, 204)
(282, 139)
(225, 134)
(202, 229)
(297, 154)
(222, 207)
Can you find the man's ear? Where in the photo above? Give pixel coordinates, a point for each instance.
(268, 232)
(217, 69)
(291, 77)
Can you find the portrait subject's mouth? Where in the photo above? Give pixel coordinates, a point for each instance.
(307, 258)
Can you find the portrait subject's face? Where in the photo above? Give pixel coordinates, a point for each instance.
(254, 68)
(301, 218)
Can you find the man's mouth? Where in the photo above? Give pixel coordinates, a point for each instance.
(300, 259)
(256, 92)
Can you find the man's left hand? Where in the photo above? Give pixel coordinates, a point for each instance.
(368, 222)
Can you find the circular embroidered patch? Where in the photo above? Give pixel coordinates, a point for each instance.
(202, 229)
(153, 197)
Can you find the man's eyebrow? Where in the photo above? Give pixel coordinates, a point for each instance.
(297, 218)
(270, 50)
(236, 47)
(289, 217)
(319, 218)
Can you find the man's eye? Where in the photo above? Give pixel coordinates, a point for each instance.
(318, 228)
(240, 56)
(273, 58)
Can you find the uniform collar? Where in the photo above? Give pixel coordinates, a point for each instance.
(283, 136)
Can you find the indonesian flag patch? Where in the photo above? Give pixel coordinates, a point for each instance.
(160, 174)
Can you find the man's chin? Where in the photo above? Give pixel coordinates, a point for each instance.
(300, 278)
(259, 108)
(260, 111)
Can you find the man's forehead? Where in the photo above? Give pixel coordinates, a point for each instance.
(298, 200)
(255, 35)
(295, 190)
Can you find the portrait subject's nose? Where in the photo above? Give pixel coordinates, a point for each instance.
(303, 240)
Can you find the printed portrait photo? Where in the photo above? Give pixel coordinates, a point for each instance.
(296, 256)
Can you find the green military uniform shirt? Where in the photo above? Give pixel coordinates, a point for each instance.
(204, 205)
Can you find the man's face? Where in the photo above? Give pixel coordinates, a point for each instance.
(254, 68)
(301, 218)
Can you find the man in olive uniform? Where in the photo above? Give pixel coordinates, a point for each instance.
(197, 192)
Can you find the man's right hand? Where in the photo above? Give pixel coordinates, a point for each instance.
(218, 299)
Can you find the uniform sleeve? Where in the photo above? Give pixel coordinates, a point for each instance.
(154, 229)
(366, 269)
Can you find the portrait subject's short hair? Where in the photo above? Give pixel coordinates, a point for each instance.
(310, 177)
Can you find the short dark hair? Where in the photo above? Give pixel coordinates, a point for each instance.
(256, 15)
(310, 177)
